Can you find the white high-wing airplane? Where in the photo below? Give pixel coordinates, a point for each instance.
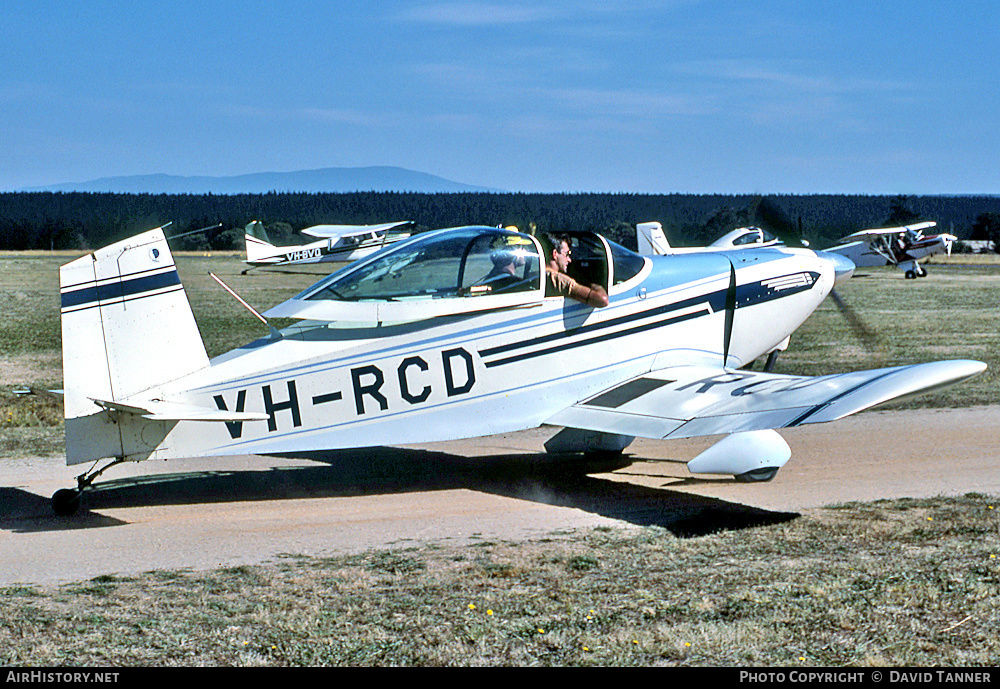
(343, 243)
(899, 246)
(653, 242)
(427, 341)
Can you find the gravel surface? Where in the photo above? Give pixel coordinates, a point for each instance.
(197, 514)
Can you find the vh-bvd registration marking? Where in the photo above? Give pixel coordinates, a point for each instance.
(373, 388)
(303, 254)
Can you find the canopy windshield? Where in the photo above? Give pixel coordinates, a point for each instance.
(468, 262)
(754, 236)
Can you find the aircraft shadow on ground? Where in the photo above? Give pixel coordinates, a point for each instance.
(540, 478)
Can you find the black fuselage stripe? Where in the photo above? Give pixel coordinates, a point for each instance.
(715, 300)
(600, 338)
(158, 270)
(746, 295)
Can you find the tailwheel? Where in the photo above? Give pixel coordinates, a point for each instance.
(66, 501)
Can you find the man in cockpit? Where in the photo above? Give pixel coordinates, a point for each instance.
(557, 282)
(506, 262)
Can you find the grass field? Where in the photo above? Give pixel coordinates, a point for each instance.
(900, 583)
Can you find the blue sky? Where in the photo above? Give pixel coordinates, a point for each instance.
(676, 96)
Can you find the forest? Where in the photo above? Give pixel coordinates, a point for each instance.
(79, 221)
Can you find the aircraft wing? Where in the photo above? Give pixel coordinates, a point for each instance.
(336, 231)
(886, 231)
(688, 401)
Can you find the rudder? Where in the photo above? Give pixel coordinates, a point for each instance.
(127, 327)
(651, 240)
(258, 244)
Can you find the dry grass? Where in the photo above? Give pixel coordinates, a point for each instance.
(958, 259)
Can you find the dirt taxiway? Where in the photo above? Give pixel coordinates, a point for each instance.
(196, 514)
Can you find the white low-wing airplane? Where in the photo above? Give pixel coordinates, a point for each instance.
(428, 341)
(343, 243)
(899, 246)
(653, 242)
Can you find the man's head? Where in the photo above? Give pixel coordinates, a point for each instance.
(559, 252)
(508, 260)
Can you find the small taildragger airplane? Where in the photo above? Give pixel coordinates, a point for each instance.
(450, 334)
(898, 246)
(653, 242)
(342, 243)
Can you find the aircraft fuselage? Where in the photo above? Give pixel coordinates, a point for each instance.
(326, 386)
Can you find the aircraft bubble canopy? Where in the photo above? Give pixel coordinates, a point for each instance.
(467, 262)
(431, 274)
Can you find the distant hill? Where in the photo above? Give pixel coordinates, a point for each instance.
(326, 180)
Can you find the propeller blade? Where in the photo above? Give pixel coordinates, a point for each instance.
(861, 330)
(770, 216)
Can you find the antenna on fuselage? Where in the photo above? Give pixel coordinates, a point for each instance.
(274, 331)
(185, 234)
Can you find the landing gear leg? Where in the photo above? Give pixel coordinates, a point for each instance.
(66, 501)
(772, 359)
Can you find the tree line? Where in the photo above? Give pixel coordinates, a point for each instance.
(77, 220)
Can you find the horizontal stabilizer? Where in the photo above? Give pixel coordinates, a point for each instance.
(160, 410)
(40, 392)
(688, 401)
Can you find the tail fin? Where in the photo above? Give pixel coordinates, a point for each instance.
(259, 246)
(651, 240)
(126, 327)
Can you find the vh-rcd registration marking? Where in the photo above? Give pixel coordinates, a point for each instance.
(416, 383)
